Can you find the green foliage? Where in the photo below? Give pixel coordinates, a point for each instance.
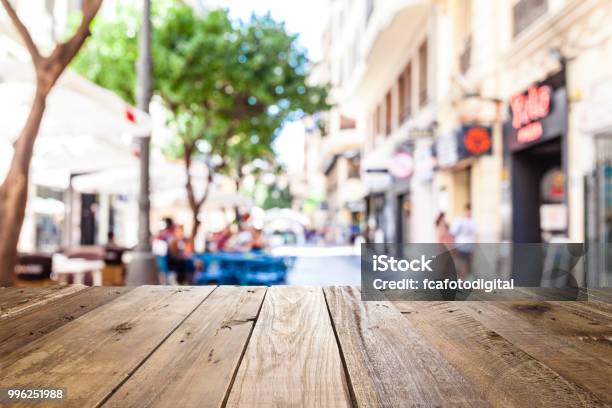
(108, 57)
(229, 86)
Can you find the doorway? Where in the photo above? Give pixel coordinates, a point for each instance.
(533, 169)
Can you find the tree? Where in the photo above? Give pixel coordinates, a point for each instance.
(14, 189)
(228, 86)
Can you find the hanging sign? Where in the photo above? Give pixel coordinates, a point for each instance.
(477, 140)
(401, 165)
(537, 114)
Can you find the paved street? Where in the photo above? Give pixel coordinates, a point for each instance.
(323, 266)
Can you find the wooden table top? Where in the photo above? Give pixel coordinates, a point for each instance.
(302, 346)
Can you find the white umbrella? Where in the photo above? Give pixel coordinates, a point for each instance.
(285, 214)
(75, 107)
(85, 127)
(125, 179)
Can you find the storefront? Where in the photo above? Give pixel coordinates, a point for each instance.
(596, 122)
(535, 140)
(401, 168)
(456, 154)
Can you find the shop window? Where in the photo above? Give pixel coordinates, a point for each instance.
(423, 77)
(525, 12)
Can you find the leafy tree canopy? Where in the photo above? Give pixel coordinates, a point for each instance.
(228, 85)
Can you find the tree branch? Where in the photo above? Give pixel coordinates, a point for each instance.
(188, 152)
(23, 32)
(64, 52)
(209, 179)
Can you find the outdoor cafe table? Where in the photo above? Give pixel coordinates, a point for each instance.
(302, 346)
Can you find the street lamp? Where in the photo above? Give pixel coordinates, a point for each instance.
(143, 268)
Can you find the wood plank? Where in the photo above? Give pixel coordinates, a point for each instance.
(567, 359)
(14, 301)
(507, 375)
(292, 358)
(593, 309)
(196, 365)
(589, 332)
(92, 355)
(602, 294)
(388, 362)
(24, 328)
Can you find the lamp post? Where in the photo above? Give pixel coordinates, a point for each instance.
(143, 268)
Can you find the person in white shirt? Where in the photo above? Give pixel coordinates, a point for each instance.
(465, 233)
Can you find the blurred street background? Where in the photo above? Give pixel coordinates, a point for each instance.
(285, 134)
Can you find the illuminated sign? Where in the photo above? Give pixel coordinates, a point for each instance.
(537, 114)
(527, 109)
(477, 140)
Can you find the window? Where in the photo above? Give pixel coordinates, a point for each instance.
(406, 91)
(466, 56)
(354, 167)
(525, 12)
(377, 124)
(464, 35)
(346, 123)
(388, 110)
(423, 74)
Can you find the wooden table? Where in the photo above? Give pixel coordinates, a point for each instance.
(302, 346)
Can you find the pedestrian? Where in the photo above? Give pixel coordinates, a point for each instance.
(179, 256)
(443, 234)
(465, 234)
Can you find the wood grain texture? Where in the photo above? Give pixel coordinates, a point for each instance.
(566, 358)
(24, 328)
(507, 375)
(591, 333)
(92, 355)
(194, 367)
(388, 362)
(14, 301)
(292, 358)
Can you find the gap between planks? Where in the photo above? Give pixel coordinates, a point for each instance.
(196, 364)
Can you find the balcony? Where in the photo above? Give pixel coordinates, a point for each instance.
(389, 31)
(341, 141)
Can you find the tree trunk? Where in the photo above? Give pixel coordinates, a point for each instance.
(195, 204)
(14, 191)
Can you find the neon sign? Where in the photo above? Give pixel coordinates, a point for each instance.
(527, 109)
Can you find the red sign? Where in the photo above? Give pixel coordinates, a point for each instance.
(477, 140)
(527, 109)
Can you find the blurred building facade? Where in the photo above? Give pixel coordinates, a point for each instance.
(496, 104)
(341, 148)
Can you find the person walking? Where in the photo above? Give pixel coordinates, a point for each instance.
(443, 235)
(465, 234)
